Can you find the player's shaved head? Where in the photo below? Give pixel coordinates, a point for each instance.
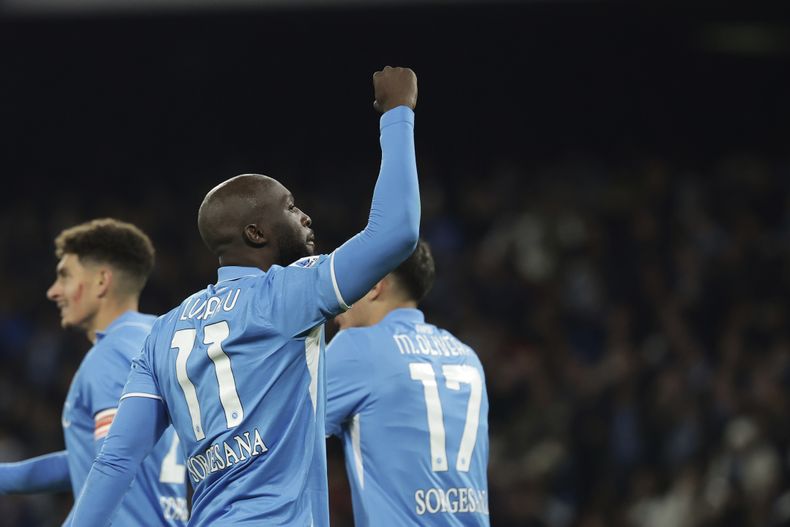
(232, 205)
(250, 212)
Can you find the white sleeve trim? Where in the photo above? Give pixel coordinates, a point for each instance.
(339, 297)
(140, 394)
(356, 446)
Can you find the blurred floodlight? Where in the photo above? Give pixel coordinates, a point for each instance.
(746, 39)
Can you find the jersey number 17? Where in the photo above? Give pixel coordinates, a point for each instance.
(455, 375)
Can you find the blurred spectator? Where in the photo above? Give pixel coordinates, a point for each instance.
(632, 320)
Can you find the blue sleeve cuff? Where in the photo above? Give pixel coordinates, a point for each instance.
(399, 114)
(48, 473)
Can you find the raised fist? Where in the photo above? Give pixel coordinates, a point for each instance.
(394, 87)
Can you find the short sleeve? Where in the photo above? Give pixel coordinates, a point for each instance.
(348, 377)
(304, 294)
(141, 381)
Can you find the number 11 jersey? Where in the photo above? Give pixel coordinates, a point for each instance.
(239, 369)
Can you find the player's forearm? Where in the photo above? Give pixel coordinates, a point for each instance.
(49, 473)
(102, 493)
(136, 429)
(394, 222)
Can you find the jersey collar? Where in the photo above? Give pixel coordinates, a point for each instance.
(405, 314)
(233, 272)
(126, 316)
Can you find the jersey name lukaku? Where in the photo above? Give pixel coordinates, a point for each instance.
(409, 401)
(239, 369)
(158, 494)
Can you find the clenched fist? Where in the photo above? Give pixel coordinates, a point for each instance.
(394, 87)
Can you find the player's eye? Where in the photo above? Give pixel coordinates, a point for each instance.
(291, 206)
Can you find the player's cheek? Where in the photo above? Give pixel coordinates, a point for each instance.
(79, 292)
(76, 296)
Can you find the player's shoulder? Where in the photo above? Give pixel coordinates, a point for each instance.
(166, 320)
(295, 268)
(109, 355)
(351, 341)
(192, 306)
(352, 353)
(363, 343)
(347, 337)
(122, 341)
(302, 270)
(309, 261)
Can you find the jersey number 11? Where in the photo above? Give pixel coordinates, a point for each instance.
(213, 336)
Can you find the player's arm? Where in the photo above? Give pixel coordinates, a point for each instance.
(105, 375)
(101, 427)
(139, 423)
(311, 290)
(48, 473)
(348, 376)
(137, 427)
(394, 222)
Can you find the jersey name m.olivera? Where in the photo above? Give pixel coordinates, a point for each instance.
(410, 403)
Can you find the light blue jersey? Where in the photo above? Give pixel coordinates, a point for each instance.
(239, 370)
(158, 494)
(409, 401)
(239, 367)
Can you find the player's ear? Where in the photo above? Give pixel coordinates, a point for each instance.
(376, 291)
(103, 280)
(254, 236)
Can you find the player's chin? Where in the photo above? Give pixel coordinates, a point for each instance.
(69, 320)
(309, 248)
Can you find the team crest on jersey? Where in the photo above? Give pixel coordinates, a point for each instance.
(306, 262)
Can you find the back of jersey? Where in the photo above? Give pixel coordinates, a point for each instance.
(238, 367)
(410, 402)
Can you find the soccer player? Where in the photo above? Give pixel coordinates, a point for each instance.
(238, 367)
(103, 266)
(409, 401)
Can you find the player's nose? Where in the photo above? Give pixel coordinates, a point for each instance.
(306, 221)
(52, 292)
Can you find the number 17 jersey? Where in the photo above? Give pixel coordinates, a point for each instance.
(409, 401)
(238, 367)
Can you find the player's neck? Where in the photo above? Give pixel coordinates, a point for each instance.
(108, 312)
(241, 259)
(381, 311)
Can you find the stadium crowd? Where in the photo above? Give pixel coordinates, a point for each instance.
(631, 317)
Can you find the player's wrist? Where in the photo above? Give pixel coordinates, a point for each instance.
(399, 114)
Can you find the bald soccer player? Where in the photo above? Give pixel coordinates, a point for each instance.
(238, 367)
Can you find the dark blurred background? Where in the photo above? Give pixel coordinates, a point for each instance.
(605, 187)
